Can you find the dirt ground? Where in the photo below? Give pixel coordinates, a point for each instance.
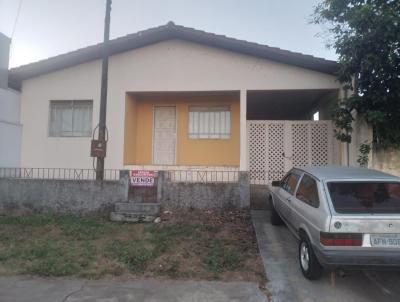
(192, 244)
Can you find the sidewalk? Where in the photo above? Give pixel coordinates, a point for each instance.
(24, 289)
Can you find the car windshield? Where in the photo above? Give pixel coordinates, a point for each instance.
(365, 197)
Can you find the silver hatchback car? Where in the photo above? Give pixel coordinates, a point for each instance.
(343, 217)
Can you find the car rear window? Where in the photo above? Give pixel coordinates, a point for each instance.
(365, 197)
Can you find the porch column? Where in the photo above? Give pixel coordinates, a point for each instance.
(243, 130)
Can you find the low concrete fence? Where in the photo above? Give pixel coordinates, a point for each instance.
(221, 193)
(77, 197)
(259, 197)
(86, 196)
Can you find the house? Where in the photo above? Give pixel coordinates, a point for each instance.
(181, 98)
(10, 126)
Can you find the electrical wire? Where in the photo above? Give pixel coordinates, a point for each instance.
(16, 19)
(14, 28)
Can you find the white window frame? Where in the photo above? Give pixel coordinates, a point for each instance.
(73, 103)
(213, 114)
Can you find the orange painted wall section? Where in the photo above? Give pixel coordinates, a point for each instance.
(204, 152)
(130, 128)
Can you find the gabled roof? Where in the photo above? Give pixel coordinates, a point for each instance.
(167, 32)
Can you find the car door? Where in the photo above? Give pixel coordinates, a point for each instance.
(286, 194)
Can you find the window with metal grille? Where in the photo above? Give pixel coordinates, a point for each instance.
(209, 122)
(70, 118)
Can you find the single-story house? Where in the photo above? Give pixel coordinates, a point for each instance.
(181, 98)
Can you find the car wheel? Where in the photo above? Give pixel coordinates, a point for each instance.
(275, 218)
(309, 264)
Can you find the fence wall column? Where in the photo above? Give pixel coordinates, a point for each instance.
(160, 183)
(244, 189)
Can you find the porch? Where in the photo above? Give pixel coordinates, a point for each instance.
(182, 131)
(217, 130)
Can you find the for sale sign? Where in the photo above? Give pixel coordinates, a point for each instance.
(141, 178)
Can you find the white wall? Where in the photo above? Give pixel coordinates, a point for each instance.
(40, 150)
(172, 65)
(10, 128)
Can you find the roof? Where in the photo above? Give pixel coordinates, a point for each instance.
(162, 33)
(344, 172)
(3, 36)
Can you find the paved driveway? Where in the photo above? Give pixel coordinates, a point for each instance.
(286, 283)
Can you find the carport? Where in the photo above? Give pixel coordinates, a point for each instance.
(282, 133)
(290, 104)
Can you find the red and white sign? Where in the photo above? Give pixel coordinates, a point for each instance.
(142, 178)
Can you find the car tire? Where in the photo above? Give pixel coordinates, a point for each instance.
(275, 218)
(309, 265)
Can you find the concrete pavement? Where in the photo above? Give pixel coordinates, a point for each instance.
(278, 248)
(23, 289)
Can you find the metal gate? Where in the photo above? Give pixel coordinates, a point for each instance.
(274, 147)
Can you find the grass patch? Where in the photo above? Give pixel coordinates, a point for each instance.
(83, 228)
(135, 255)
(50, 259)
(192, 244)
(27, 221)
(222, 257)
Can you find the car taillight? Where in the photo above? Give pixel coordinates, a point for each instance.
(340, 239)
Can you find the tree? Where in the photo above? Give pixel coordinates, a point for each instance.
(366, 36)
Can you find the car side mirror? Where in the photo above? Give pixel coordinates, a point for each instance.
(276, 183)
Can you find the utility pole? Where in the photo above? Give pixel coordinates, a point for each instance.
(101, 144)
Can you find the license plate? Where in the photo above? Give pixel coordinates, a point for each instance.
(385, 240)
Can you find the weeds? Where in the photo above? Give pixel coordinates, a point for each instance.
(49, 245)
(83, 228)
(221, 257)
(27, 221)
(134, 254)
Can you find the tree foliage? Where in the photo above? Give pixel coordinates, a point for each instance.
(366, 36)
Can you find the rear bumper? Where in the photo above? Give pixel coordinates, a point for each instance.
(358, 258)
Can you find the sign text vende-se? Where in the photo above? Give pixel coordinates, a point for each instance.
(141, 178)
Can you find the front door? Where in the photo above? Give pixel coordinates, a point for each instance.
(164, 136)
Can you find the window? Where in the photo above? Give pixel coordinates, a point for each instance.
(290, 182)
(209, 122)
(308, 191)
(70, 118)
(365, 197)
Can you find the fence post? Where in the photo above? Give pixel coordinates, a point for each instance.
(160, 183)
(124, 180)
(244, 189)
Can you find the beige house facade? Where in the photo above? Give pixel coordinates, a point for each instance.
(178, 98)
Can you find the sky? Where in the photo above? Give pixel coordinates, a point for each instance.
(46, 28)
